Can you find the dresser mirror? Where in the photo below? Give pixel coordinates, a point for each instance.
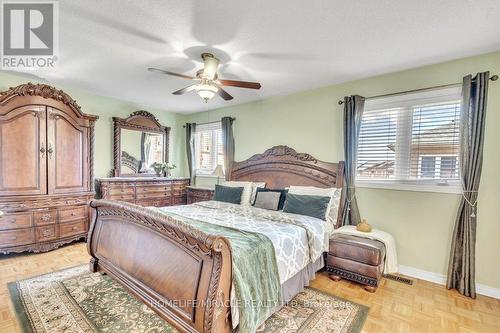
(139, 142)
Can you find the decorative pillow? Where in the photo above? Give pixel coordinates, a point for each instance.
(282, 196)
(228, 194)
(247, 190)
(317, 191)
(255, 187)
(309, 205)
(267, 200)
(333, 214)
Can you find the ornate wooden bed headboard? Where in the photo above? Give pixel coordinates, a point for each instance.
(282, 166)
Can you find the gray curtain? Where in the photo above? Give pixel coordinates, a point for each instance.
(228, 144)
(353, 111)
(190, 130)
(461, 267)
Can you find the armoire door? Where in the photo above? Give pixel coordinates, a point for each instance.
(23, 151)
(67, 153)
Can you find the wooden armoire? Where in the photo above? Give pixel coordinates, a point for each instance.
(46, 169)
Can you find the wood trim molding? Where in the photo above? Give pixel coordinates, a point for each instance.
(45, 91)
(139, 121)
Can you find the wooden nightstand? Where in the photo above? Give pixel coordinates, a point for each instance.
(198, 193)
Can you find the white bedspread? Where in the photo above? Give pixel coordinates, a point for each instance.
(297, 239)
(391, 257)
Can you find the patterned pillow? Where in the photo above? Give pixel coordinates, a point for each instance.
(267, 200)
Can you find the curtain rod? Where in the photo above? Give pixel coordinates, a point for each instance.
(493, 78)
(210, 122)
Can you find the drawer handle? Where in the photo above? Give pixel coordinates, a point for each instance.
(13, 221)
(45, 217)
(47, 233)
(13, 238)
(73, 214)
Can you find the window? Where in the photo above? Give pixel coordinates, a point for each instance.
(411, 141)
(208, 148)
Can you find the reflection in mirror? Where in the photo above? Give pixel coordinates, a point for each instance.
(139, 150)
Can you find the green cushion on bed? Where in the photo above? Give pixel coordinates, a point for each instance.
(309, 205)
(228, 194)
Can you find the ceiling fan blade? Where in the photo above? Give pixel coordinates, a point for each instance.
(156, 70)
(184, 90)
(222, 93)
(240, 84)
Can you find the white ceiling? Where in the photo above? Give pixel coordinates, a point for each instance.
(287, 45)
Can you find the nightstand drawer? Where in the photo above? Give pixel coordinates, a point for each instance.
(16, 220)
(197, 194)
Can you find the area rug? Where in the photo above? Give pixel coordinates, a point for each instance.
(75, 300)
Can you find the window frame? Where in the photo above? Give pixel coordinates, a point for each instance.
(437, 96)
(213, 129)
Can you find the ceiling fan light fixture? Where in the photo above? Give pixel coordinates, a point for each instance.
(206, 91)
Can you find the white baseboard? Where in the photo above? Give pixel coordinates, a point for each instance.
(481, 289)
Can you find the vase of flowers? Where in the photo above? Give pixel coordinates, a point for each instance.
(163, 169)
(168, 169)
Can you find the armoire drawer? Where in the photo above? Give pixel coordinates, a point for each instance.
(72, 213)
(47, 232)
(16, 221)
(44, 217)
(17, 237)
(72, 228)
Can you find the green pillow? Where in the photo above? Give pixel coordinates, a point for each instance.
(228, 194)
(309, 205)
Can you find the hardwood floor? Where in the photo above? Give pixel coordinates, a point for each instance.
(395, 307)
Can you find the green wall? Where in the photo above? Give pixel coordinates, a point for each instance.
(421, 222)
(107, 108)
(311, 122)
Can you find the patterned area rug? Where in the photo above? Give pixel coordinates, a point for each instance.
(75, 300)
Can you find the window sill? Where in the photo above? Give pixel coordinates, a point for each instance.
(434, 188)
(207, 175)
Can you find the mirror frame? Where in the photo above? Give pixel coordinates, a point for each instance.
(140, 121)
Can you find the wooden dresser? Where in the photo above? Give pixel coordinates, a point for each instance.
(199, 193)
(145, 191)
(46, 169)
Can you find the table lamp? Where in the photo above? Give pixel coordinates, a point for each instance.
(218, 172)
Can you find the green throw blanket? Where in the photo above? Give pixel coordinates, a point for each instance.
(255, 272)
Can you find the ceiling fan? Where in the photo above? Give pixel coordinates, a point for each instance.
(208, 82)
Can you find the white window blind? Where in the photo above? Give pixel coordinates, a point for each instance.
(411, 141)
(208, 148)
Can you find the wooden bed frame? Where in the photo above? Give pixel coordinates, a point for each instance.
(181, 272)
